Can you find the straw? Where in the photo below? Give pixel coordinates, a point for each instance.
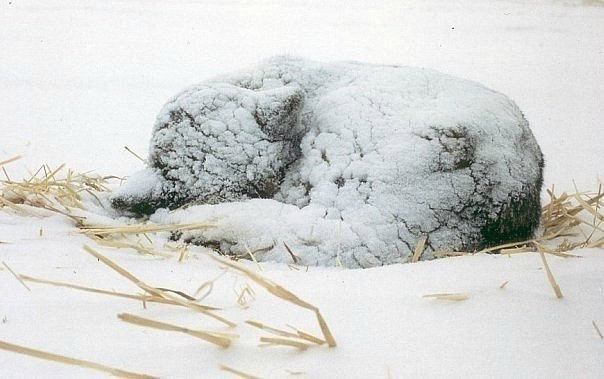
(291, 253)
(277, 341)
(104, 230)
(284, 333)
(133, 153)
(70, 361)
(182, 253)
(16, 276)
(246, 292)
(154, 291)
(249, 252)
(51, 189)
(282, 293)
(419, 249)
(9, 160)
(138, 246)
(295, 373)
(221, 339)
(550, 276)
(143, 298)
(564, 216)
(239, 373)
(307, 336)
(448, 296)
(15, 207)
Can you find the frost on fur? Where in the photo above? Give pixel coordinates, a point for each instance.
(357, 163)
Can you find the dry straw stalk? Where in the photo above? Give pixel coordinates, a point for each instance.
(104, 230)
(279, 341)
(448, 296)
(281, 293)
(239, 373)
(45, 189)
(220, 339)
(16, 276)
(284, 333)
(155, 292)
(419, 249)
(143, 298)
(71, 361)
(9, 160)
(550, 277)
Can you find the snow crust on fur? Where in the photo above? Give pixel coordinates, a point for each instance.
(353, 163)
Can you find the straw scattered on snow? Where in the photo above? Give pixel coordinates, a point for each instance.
(218, 338)
(141, 298)
(280, 292)
(104, 230)
(239, 373)
(51, 189)
(9, 160)
(156, 292)
(16, 276)
(448, 296)
(71, 361)
(569, 221)
(300, 337)
(301, 340)
(550, 277)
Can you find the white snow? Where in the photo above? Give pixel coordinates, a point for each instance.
(81, 79)
(142, 183)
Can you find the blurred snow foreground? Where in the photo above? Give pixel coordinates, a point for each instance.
(344, 162)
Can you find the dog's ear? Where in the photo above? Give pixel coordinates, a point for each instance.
(278, 110)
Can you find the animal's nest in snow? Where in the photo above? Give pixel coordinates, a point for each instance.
(569, 220)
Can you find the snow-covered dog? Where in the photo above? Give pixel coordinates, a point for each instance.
(341, 161)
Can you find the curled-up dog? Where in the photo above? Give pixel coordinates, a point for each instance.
(344, 162)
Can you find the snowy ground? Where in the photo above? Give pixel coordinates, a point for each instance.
(81, 79)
